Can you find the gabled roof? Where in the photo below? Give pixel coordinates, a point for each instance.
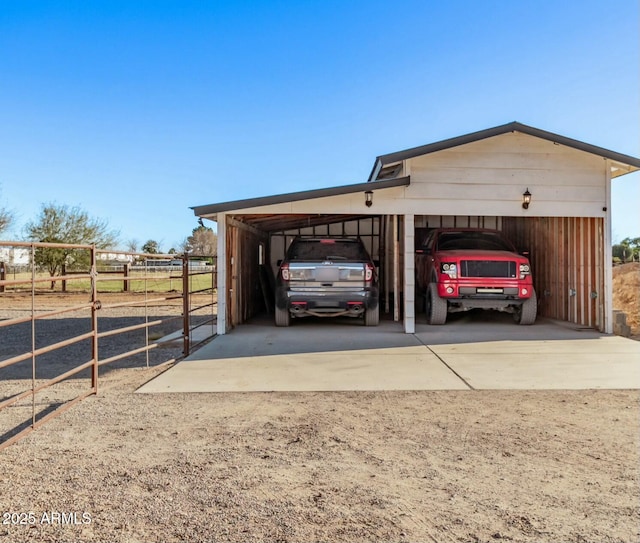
(392, 158)
(212, 209)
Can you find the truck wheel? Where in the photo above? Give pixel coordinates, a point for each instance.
(372, 316)
(526, 313)
(283, 318)
(436, 306)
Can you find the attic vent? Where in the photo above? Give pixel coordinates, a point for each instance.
(389, 172)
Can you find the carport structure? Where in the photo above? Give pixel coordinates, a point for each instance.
(478, 179)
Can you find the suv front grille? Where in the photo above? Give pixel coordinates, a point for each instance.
(488, 268)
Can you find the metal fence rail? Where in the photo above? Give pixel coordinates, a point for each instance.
(28, 281)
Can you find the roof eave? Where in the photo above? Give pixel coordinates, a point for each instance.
(504, 129)
(223, 207)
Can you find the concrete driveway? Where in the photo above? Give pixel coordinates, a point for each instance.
(472, 351)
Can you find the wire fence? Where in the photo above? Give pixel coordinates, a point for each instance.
(66, 313)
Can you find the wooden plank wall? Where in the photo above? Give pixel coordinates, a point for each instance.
(231, 273)
(567, 257)
(243, 281)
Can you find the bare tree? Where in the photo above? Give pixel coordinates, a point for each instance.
(6, 219)
(132, 245)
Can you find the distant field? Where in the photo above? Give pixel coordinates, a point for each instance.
(139, 281)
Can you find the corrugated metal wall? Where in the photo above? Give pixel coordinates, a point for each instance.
(367, 229)
(567, 256)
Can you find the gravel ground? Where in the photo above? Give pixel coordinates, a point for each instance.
(539, 466)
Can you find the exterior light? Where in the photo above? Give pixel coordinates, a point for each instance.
(368, 198)
(526, 199)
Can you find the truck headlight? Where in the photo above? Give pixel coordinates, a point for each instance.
(449, 269)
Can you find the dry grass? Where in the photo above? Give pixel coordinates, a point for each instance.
(626, 293)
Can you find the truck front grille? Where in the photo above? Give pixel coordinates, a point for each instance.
(488, 268)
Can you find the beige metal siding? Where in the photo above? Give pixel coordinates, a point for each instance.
(488, 177)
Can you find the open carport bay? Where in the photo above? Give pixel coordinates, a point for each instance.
(473, 351)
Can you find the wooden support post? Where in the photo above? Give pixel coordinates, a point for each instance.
(3, 275)
(409, 289)
(607, 295)
(222, 274)
(396, 263)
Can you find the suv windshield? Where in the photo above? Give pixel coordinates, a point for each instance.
(483, 241)
(327, 249)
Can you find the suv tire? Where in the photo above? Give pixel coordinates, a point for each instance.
(436, 306)
(372, 316)
(283, 317)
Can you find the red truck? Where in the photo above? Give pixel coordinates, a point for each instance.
(469, 268)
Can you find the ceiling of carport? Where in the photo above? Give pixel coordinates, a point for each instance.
(279, 222)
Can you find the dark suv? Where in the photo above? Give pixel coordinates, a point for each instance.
(469, 268)
(327, 277)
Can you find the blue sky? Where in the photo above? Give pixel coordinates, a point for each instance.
(137, 110)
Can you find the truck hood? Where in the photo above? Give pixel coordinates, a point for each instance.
(473, 254)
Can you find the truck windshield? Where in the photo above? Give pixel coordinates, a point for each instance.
(482, 241)
(327, 249)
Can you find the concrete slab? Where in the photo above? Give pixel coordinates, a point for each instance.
(604, 362)
(486, 353)
(402, 368)
(201, 333)
(309, 356)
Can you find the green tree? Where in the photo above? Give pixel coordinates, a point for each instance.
(151, 247)
(68, 225)
(618, 251)
(628, 250)
(202, 242)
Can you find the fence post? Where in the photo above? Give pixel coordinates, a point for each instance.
(95, 305)
(185, 304)
(3, 275)
(64, 281)
(126, 274)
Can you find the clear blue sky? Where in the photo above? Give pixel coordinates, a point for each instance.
(137, 110)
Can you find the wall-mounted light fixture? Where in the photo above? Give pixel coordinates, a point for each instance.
(526, 199)
(368, 198)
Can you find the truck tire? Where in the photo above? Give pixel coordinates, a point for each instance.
(283, 318)
(527, 312)
(372, 316)
(436, 306)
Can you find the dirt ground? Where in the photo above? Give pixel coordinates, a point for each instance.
(538, 466)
